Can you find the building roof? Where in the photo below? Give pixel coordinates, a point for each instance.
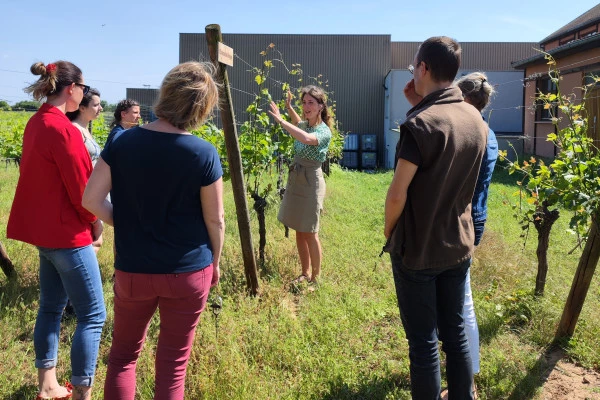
(589, 17)
(589, 42)
(484, 56)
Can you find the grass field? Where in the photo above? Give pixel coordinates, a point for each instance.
(344, 340)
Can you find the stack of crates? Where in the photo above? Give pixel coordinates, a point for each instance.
(350, 151)
(368, 151)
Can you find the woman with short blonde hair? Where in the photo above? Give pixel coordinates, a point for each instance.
(167, 210)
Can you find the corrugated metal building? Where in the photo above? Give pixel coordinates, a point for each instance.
(476, 56)
(355, 68)
(353, 65)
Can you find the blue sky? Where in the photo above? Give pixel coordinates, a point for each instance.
(121, 44)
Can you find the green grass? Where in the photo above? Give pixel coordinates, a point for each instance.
(344, 340)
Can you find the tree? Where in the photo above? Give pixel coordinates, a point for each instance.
(108, 107)
(27, 105)
(4, 106)
(572, 181)
(530, 209)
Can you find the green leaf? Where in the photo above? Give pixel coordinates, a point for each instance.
(259, 79)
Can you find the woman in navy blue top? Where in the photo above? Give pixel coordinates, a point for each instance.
(127, 115)
(167, 210)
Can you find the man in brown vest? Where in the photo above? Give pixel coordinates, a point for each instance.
(428, 223)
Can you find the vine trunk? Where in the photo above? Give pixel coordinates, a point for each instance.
(543, 219)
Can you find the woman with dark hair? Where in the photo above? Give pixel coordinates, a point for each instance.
(168, 246)
(127, 115)
(303, 198)
(47, 213)
(89, 109)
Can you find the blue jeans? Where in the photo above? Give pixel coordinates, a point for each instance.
(70, 274)
(431, 306)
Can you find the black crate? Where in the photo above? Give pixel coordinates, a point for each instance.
(368, 160)
(351, 142)
(350, 159)
(368, 142)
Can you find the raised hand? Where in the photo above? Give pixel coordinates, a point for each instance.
(274, 111)
(410, 93)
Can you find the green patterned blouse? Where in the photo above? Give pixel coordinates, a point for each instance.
(317, 152)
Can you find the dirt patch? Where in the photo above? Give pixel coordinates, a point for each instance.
(567, 381)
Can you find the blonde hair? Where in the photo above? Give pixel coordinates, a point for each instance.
(188, 94)
(318, 94)
(476, 88)
(54, 77)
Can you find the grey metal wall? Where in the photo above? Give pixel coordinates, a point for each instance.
(479, 56)
(353, 65)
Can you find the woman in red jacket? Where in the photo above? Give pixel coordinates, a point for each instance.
(47, 213)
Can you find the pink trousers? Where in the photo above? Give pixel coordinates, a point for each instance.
(180, 299)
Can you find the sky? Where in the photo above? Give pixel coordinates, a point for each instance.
(127, 43)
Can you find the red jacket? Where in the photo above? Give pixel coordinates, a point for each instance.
(55, 167)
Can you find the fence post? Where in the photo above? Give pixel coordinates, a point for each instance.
(581, 282)
(213, 37)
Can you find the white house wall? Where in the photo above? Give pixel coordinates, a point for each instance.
(504, 114)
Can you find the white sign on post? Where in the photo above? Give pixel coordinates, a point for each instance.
(225, 55)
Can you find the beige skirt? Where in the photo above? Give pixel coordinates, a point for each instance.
(303, 198)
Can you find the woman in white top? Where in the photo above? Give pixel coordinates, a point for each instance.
(89, 109)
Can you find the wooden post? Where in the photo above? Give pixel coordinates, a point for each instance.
(213, 37)
(581, 282)
(6, 264)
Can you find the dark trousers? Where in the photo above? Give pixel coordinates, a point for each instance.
(431, 307)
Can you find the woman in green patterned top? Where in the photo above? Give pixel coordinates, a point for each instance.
(303, 198)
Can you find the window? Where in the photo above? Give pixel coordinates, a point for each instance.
(546, 86)
(567, 39)
(588, 77)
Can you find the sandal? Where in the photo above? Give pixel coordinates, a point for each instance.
(300, 279)
(444, 394)
(68, 396)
